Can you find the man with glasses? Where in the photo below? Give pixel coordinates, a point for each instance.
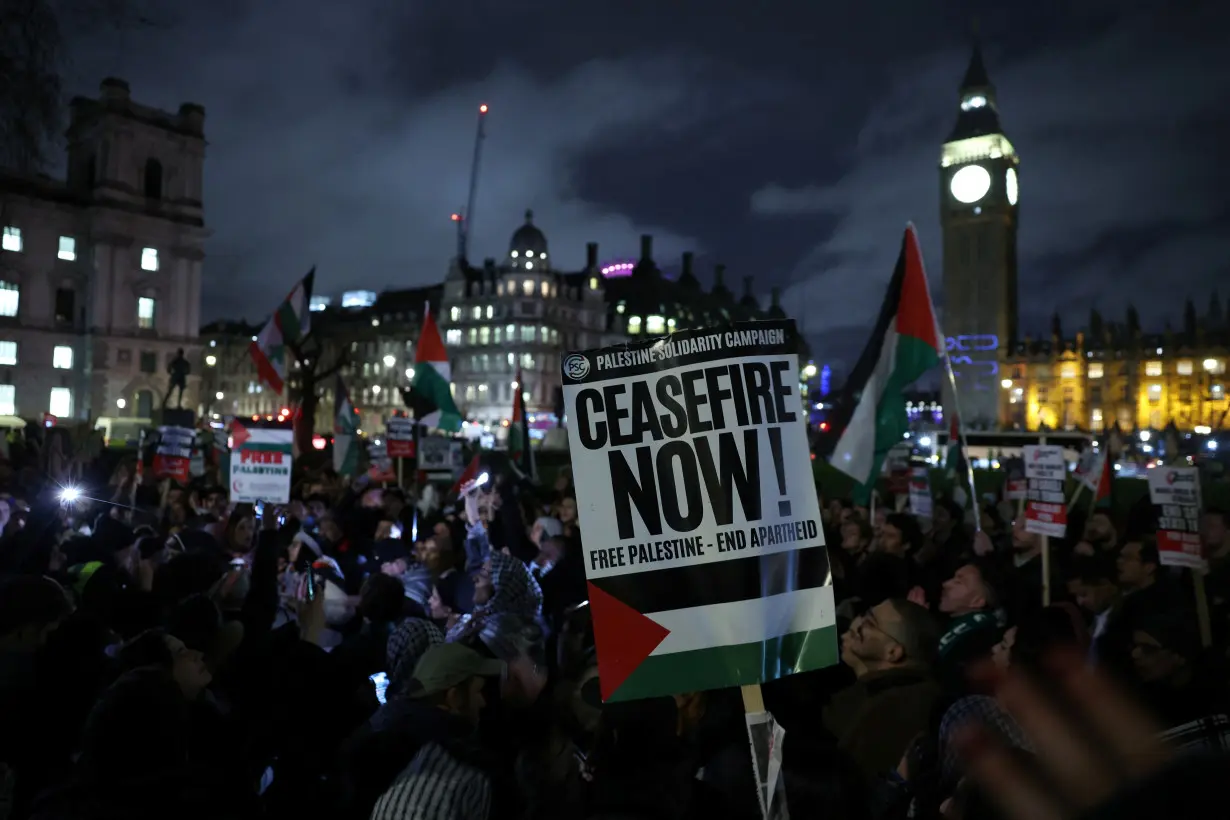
(890, 649)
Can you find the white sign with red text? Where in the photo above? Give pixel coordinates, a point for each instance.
(1175, 493)
(1046, 506)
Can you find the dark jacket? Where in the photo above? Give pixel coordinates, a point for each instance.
(875, 719)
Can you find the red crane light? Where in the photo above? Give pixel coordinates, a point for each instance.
(482, 109)
(456, 217)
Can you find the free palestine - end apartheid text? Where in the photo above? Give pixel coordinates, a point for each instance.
(729, 540)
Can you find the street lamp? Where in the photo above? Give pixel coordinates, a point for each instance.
(390, 360)
(218, 395)
(211, 360)
(1006, 384)
(120, 403)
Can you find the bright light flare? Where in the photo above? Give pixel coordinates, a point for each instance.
(482, 109)
(70, 495)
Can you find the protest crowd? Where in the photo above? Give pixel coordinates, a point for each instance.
(161, 659)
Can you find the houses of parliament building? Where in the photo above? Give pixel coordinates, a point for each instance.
(1111, 371)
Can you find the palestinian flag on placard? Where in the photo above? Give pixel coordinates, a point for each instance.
(345, 431)
(519, 449)
(903, 346)
(290, 322)
(430, 396)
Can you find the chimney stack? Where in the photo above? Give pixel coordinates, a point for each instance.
(114, 89)
(719, 276)
(591, 256)
(747, 286)
(686, 273)
(646, 247)
(776, 296)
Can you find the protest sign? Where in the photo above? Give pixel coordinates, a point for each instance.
(1046, 509)
(261, 459)
(380, 465)
(897, 468)
(706, 566)
(1175, 493)
(920, 491)
(173, 456)
(439, 454)
(399, 437)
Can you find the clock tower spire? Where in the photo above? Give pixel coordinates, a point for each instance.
(978, 215)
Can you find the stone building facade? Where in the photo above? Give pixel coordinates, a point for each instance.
(100, 273)
(1114, 372)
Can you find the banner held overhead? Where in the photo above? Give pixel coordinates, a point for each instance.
(690, 457)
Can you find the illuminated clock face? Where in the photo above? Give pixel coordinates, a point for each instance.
(970, 184)
(1010, 185)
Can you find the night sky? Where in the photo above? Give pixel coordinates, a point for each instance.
(790, 142)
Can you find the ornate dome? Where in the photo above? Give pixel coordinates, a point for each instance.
(528, 244)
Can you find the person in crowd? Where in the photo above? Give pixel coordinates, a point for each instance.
(891, 650)
(1096, 591)
(446, 774)
(972, 602)
(1100, 534)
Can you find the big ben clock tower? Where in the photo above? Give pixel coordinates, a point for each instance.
(978, 213)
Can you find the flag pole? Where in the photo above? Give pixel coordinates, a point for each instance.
(960, 425)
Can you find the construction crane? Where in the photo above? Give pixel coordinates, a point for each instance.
(465, 218)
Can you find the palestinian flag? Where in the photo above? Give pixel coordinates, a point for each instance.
(519, 449)
(1106, 482)
(430, 396)
(289, 324)
(345, 431)
(903, 346)
(955, 464)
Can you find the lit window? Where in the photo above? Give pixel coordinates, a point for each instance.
(68, 249)
(634, 324)
(453, 336)
(12, 239)
(530, 254)
(1095, 370)
(527, 361)
(473, 335)
(1153, 368)
(1155, 393)
(542, 255)
(454, 313)
(593, 283)
(10, 298)
(8, 353)
(1210, 365)
(546, 289)
(1068, 370)
(484, 335)
(655, 324)
(545, 334)
(476, 312)
(149, 259)
(1217, 391)
(8, 400)
(62, 357)
(1096, 420)
(974, 101)
(470, 392)
(147, 312)
(529, 266)
(1184, 368)
(527, 333)
(512, 359)
(527, 287)
(514, 254)
(61, 402)
(490, 311)
(498, 333)
(509, 332)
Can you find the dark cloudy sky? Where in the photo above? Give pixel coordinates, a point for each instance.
(789, 139)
